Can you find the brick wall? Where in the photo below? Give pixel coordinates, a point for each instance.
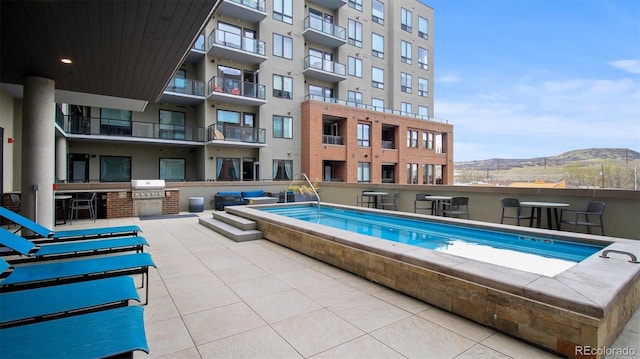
(119, 204)
(171, 202)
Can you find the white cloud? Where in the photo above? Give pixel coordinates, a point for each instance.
(543, 119)
(632, 66)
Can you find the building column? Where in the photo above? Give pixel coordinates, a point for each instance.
(61, 159)
(38, 144)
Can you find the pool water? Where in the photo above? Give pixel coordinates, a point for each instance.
(520, 251)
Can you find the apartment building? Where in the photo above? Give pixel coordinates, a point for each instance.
(341, 90)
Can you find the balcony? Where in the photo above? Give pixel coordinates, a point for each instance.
(197, 52)
(324, 33)
(184, 92)
(373, 108)
(332, 140)
(236, 91)
(233, 135)
(331, 4)
(236, 47)
(252, 11)
(324, 70)
(104, 128)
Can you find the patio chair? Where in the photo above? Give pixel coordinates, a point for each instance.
(511, 209)
(365, 200)
(72, 234)
(592, 216)
(82, 202)
(16, 202)
(458, 206)
(28, 251)
(390, 201)
(43, 274)
(109, 333)
(419, 203)
(58, 301)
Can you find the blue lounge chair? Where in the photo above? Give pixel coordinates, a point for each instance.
(58, 250)
(42, 231)
(107, 333)
(47, 303)
(70, 271)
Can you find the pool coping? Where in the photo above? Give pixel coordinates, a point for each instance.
(593, 289)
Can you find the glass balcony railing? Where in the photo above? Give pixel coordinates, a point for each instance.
(235, 87)
(254, 4)
(373, 108)
(319, 63)
(332, 140)
(236, 41)
(186, 86)
(199, 44)
(95, 126)
(229, 132)
(325, 27)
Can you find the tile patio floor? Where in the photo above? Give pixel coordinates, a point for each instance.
(212, 297)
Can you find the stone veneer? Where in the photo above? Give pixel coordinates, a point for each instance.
(587, 305)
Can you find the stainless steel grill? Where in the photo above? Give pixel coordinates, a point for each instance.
(147, 197)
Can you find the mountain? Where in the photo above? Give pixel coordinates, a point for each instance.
(584, 156)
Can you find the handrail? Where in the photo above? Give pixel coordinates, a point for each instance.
(634, 259)
(300, 177)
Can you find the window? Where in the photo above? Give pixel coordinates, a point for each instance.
(115, 169)
(377, 45)
(283, 10)
(172, 169)
(282, 46)
(354, 97)
(364, 135)
(423, 58)
(377, 12)
(405, 20)
(229, 35)
(412, 138)
(439, 143)
(355, 33)
(364, 172)
(282, 126)
(405, 82)
(405, 48)
(405, 109)
(282, 87)
(283, 170)
(377, 104)
(355, 66)
(423, 28)
(180, 80)
(231, 117)
(377, 78)
(412, 173)
(115, 122)
(227, 169)
(423, 112)
(172, 125)
(356, 4)
(230, 79)
(427, 174)
(424, 140)
(423, 87)
(429, 140)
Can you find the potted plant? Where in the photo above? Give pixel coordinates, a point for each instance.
(303, 191)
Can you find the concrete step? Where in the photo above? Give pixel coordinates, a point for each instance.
(230, 231)
(236, 221)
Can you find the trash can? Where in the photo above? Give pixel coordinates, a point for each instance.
(196, 204)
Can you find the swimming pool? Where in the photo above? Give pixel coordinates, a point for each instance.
(587, 304)
(534, 254)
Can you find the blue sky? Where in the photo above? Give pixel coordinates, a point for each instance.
(533, 78)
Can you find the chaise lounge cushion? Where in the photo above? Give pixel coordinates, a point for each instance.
(251, 194)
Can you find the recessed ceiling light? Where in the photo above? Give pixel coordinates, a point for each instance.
(66, 60)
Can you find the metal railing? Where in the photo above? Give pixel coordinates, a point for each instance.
(325, 27)
(319, 63)
(186, 86)
(95, 126)
(235, 87)
(373, 108)
(228, 132)
(235, 41)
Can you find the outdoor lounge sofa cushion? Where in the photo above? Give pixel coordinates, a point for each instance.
(69, 234)
(250, 194)
(39, 304)
(56, 250)
(100, 334)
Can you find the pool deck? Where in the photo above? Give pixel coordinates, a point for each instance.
(212, 297)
